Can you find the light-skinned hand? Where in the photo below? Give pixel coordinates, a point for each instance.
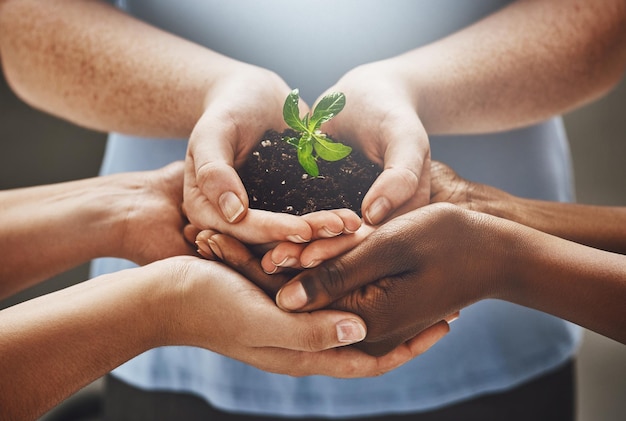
(245, 103)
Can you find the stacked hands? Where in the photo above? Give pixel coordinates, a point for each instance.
(385, 270)
(280, 286)
(385, 283)
(268, 248)
(280, 292)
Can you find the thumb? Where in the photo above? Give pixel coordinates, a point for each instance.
(212, 149)
(317, 331)
(404, 177)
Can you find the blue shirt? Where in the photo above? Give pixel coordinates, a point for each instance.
(494, 345)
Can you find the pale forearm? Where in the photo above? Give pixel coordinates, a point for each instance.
(90, 63)
(55, 344)
(523, 64)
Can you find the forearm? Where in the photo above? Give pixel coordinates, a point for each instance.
(523, 64)
(55, 344)
(581, 284)
(53, 228)
(602, 227)
(92, 64)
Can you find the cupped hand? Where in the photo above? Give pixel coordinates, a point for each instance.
(380, 118)
(239, 108)
(220, 310)
(411, 273)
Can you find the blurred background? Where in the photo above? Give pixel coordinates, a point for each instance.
(36, 148)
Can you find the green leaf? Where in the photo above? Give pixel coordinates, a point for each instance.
(328, 150)
(306, 160)
(291, 112)
(328, 107)
(294, 141)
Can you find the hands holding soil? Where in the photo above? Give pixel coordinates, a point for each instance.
(397, 277)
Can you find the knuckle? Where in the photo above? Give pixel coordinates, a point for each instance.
(331, 282)
(312, 339)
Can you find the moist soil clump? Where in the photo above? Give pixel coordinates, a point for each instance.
(276, 182)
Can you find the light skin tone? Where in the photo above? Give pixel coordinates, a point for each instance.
(513, 68)
(516, 67)
(136, 216)
(493, 258)
(93, 327)
(86, 62)
(73, 59)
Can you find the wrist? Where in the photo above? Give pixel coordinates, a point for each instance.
(154, 294)
(492, 201)
(122, 194)
(504, 251)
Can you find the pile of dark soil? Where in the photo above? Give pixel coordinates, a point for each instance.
(275, 181)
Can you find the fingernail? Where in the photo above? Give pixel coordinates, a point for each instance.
(296, 239)
(204, 249)
(452, 318)
(350, 331)
(215, 249)
(326, 233)
(348, 231)
(311, 264)
(230, 205)
(271, 272)
(378, 210)
(292, 296)
(289, 262)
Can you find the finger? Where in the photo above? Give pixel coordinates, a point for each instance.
(319, 251)
(424, 340)
(212, 148)
(284, 255)
(311, 332)
(324, 224)
(342, 362)
(237, 256)
(351, 221)
(260, 227)
(203, 246)
(375, 258)
(190, 232)
(452, 317)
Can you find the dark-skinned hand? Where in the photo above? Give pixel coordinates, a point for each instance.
(411, 273)
(216, 246)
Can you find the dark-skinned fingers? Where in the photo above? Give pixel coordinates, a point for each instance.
(379, 256)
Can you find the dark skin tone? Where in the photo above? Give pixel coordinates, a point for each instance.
(436, 260)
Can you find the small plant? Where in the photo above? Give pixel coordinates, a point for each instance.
(312, 143)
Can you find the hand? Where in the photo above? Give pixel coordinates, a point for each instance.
(218, 309)
(445, 186)
(239, 109)
(409, 274)
(380, 118)
(152, 220)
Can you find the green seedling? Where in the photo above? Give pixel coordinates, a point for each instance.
(312, 143)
